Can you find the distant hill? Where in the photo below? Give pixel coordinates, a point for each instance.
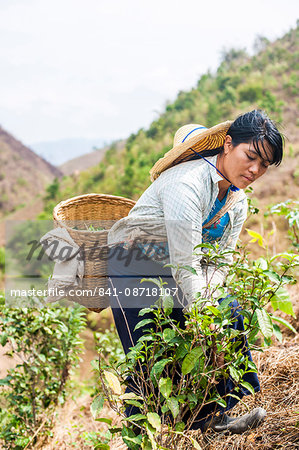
(23, 174)
(60, 151)
(83, 162)
(267, 80)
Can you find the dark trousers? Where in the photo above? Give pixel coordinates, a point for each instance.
(126, 269)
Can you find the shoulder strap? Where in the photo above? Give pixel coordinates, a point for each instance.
(232, 198)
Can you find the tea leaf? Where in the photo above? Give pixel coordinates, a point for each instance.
(191, 359)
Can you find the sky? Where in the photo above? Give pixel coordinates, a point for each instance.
(105, 68)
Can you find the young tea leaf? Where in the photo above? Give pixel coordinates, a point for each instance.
(277, 332)
(191, 359)
(285, 323)
(97, 405)
(248, 387)
(281, 300)
(265, 323)
(165, 386)
(143, 322)
(256, 237)
(154, 420)
(158, 368)
(168, 334)
(173, 405)
(167, 303)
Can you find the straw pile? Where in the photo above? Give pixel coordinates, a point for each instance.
(278, 369)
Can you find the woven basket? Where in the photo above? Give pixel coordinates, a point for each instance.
(98, 210)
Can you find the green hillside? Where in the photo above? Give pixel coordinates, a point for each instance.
(268, 80)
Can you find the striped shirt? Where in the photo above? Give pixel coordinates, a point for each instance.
(173, 209)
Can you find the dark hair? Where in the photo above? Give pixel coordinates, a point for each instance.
(256, 127)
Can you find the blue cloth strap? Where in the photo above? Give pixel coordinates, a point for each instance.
(198, 128)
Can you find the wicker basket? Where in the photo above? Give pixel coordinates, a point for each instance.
(76, 215)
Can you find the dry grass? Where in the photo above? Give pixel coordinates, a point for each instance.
(278, 369)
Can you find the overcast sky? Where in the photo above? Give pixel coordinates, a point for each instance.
(105, 68)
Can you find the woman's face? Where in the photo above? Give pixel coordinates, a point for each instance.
(242, 165)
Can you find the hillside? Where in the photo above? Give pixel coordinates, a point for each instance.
(268, 80)
(23, 176)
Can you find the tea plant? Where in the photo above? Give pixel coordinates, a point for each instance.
(176, 369)
(45, 344)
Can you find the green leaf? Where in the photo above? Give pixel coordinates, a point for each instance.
(150, 432)
(192, 398)
(181, 351)
(180, 426)
(248, 387)
(154, 420)
(225, 303)
(234, 373)
(151, 280)
(3, 339)
(134, 403)
(272, 275)
(288, 256)
(127, 435)
(285, 323)
(97, 405)
(146, 443)
(221, 402)
(136, 440)
(136, 417)
(42, 357)
(265, 323)
(167, 303)
(281, 300)
(114, 430)
(130, 396)
(173, 405)
(191, 359)
(143, 322)
(158, 367)
(165, 386)
(256, 237)
(104, 420)
(277, 332)
(214, 310)
(168, 334)
(22, 441)
(144, 311)
(190, 269)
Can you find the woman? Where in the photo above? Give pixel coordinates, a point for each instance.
(196, 197)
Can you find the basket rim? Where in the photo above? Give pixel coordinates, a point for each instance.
(78, 197)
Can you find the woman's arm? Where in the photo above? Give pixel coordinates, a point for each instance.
(182, 208)
(183, 221)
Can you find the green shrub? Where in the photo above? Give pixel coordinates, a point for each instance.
(251, 93)
(175, 368)
(46, 345)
